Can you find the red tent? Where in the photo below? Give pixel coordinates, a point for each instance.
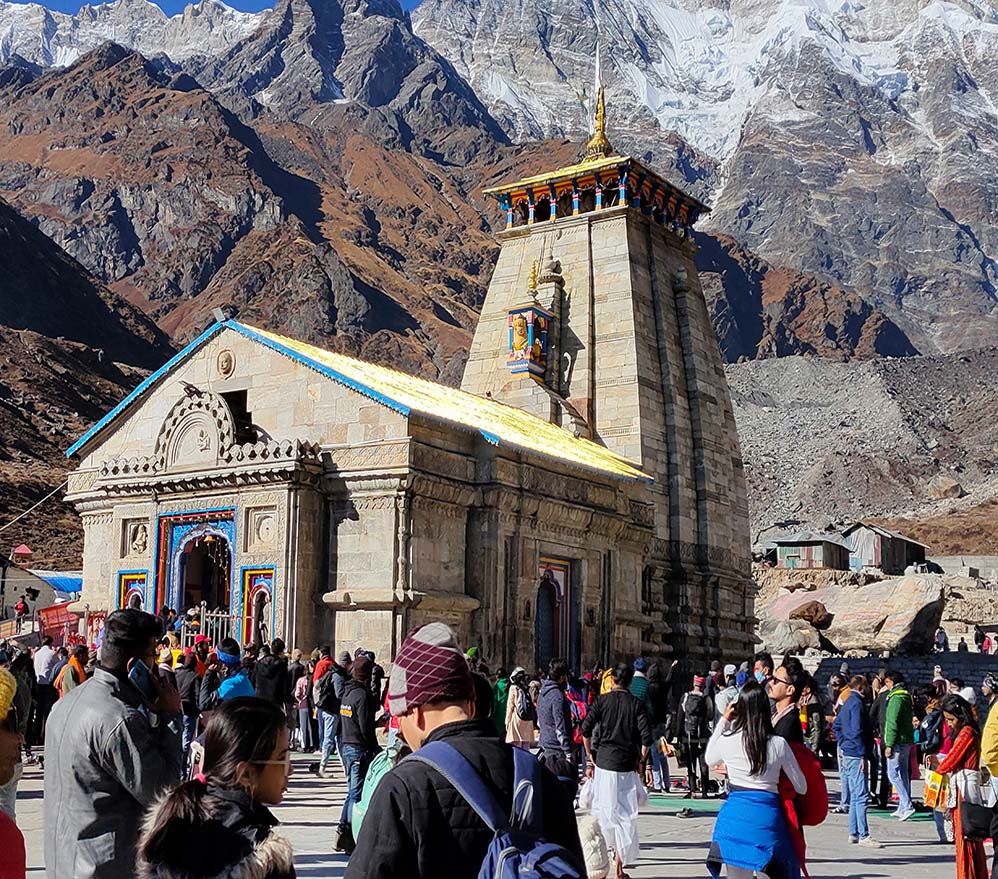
(21, 550)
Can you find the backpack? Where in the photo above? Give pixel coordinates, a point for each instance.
(324, 693)
(930, 733)
(525, 708)
(579, 708)
(380, 766)
(695, 708)
(518, 849)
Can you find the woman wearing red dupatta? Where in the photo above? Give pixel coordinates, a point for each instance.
(962, 764)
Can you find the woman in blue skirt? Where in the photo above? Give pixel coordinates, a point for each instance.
(751, 834)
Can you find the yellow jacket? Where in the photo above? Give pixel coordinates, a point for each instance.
(989, 742)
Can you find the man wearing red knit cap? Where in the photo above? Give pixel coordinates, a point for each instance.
(417, 824)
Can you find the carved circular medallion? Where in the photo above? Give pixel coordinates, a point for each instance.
(226, 363)
(265, 529)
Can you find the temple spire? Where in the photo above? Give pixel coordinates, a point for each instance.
(599, 146)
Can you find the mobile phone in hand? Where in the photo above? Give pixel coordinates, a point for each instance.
(142, 678)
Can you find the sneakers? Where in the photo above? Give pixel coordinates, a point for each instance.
(869, 842)
(841, 810)
(904, 816)
(854, 839)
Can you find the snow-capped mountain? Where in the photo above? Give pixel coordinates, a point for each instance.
(857, 140)
(53, 39)
(699, 68)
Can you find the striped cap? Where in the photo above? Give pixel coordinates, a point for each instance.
(430, 665)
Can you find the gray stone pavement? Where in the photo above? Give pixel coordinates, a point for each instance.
(670, 846)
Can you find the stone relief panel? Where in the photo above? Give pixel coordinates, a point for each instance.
(261, 529)
(135, 538)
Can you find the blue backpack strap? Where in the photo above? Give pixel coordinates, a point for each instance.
(527, 806)
(465, 780)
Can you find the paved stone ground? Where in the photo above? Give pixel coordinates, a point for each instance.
(670, 846)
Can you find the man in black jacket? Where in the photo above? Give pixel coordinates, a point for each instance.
(271, 680)
(189, 687)
(358, 742)
(417, 824)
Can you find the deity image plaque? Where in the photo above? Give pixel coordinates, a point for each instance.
(226, 363)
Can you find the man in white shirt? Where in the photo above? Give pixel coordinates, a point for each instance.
(45, 660)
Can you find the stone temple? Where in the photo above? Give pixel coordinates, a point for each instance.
(582, 494)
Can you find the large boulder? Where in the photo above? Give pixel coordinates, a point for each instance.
(899, 614)
(943, 487)
(813, 612)
(789, 636)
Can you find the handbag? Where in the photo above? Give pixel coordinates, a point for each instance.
(975, 821)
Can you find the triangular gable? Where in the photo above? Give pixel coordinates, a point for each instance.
(495, 421)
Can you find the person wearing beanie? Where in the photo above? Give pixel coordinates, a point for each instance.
(417, 824)
(696, 712)
(639, 683)
(358, 742)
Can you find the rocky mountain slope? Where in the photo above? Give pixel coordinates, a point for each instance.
(855, 142)
(71, 350)
(911, 441)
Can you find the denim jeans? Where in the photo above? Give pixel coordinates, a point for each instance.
(190, 733)
(844, 794)
(329, 725)
(659, 762)
(856, 786)
(899, 772)
(355, 763)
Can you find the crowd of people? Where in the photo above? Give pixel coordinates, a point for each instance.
(163, 762)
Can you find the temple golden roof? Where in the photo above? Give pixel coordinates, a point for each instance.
(497, 422)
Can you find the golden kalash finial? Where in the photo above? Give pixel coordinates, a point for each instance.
(599, 147)
(532, 282)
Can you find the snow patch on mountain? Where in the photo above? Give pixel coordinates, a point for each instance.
(54, 39)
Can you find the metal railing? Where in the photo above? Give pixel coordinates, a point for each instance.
(216, 624)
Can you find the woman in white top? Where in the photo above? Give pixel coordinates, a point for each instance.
(751, 833)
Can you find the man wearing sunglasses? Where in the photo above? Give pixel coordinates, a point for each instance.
(784, 687)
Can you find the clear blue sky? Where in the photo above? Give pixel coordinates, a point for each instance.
(171, 7)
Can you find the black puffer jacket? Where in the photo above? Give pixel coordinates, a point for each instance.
(272, 681)
(418, 825)
(189, 685)
(236, 841)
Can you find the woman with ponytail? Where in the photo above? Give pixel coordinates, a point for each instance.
(751, 834)
(217, 824)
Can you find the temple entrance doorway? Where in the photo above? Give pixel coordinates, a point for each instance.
(206, 574)
(546, 624)
(556, 619)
